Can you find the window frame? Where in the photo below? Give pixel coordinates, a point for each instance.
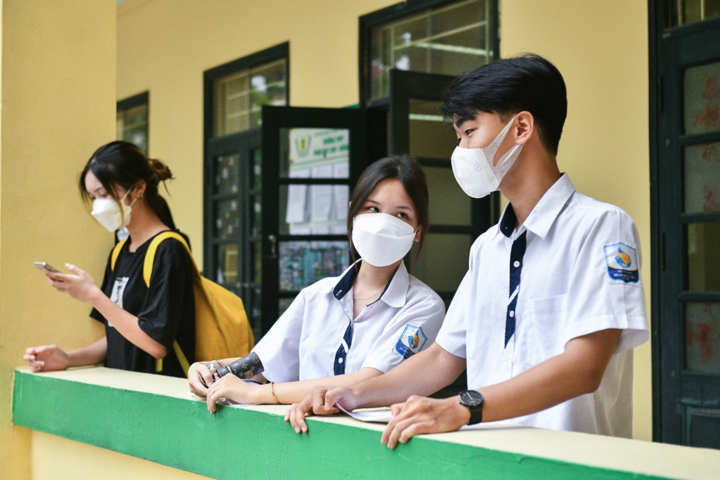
(398, 12)
(671, 380)
(129, 103)
(272, 54)
(243, 139)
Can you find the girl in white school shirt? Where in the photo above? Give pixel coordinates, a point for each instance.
(346, 329)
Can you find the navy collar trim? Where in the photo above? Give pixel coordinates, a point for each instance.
(346, 283)
(509, 221)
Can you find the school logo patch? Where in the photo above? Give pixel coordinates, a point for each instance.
(411, 341)
(622, 263)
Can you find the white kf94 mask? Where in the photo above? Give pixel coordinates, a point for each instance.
(107, 212)
(474, 170)
(381, 239)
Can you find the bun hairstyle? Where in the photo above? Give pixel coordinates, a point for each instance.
(398, 167)
(123, 164)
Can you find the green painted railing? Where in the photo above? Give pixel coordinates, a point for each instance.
(235, 443)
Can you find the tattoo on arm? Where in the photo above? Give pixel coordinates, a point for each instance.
(247, 367)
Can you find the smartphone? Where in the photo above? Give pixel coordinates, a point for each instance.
(41, 265)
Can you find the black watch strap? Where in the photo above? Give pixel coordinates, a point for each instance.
(475, 415)
(473, 401)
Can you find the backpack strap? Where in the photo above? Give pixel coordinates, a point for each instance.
(116, 253)
(150, 255)
(147, 273)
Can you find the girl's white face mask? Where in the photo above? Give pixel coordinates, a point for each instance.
(381, 239)
(107, 212)
(474, 170)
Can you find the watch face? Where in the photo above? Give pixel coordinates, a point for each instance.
(471, 398)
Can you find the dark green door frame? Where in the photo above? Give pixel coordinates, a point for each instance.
(685, 403)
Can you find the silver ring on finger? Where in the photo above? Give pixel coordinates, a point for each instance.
(212, 390)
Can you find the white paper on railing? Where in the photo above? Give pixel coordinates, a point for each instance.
(377, 416)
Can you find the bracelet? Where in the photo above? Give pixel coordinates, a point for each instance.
(273, 393)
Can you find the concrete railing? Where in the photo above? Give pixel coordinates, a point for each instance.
(152, 417)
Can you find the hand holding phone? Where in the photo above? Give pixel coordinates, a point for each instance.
(41, 265)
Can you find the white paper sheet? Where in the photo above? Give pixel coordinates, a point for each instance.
(321, 198)
(321, 230)
(321, 195)
(297, 199)
(299, 230)
(375, 416)
(326, 171)
(341, 200)
(341, 170)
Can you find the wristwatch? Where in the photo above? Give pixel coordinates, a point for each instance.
(473, 400)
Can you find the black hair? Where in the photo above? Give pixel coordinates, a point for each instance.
(508, 86)
(123, 164)
(399, 167)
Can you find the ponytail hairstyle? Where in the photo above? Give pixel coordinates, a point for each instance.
(122, 164)
(398, 167)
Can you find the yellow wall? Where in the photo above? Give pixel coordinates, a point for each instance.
(58, 458)
(164, 46)
(601, 49)
(58, 105)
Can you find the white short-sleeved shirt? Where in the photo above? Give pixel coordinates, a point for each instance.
(304, 342)
(580, 273)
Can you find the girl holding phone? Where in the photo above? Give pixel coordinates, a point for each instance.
(342, 330)
(141, 322)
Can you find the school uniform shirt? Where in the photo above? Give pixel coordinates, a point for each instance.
(571, 269)
(317, 336)
(165, 310)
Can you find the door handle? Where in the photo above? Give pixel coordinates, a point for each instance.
(273, 246)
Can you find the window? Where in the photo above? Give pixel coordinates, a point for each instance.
(239, 97)
(233, 209)
(447, 39)
(685, 209)
(132, 120)
(684, 12)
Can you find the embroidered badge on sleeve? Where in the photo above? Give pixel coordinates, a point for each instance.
(411, 341)
(622, 263)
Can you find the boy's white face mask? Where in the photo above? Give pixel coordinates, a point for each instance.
(107, 212)
(474, 170)
(381, 239)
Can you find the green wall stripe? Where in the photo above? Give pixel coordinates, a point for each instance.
(237, 443)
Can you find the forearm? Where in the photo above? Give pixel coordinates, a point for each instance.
(429, 370)
(295, 392)
(128, 326)
(546, 385)
(91, 355)
(577, 371)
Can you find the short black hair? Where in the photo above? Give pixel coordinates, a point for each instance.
(524, 83)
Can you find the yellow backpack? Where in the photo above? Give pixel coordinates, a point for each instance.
(222, 329)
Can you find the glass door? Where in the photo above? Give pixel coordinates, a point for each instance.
(686, 234)
(233, 213)
(311, 159)
(417, 127)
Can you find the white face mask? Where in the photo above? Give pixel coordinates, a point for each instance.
(474, 169)
(107, 212)
(381, 239)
